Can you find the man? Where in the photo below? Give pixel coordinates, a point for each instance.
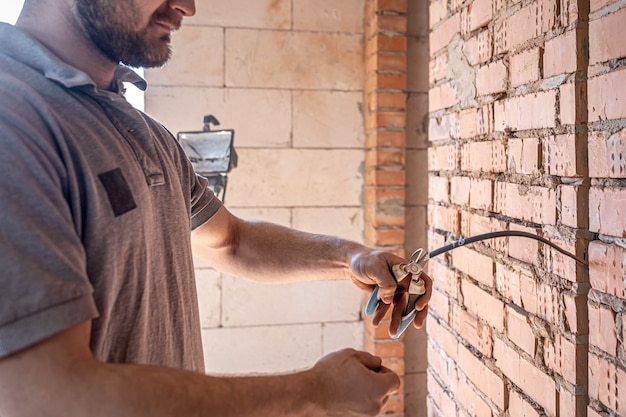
(98, 312)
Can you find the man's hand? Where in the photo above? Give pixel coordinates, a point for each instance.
(374, 268)
(352, 383)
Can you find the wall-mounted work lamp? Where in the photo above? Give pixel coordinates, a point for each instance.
(212, 153)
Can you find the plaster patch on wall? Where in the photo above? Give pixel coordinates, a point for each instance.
(391, 206)
(461, 74)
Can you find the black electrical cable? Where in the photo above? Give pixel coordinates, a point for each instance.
(504, 233)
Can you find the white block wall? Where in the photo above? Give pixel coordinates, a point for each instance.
(287, 75)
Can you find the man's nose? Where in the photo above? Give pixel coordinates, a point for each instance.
(184, 7)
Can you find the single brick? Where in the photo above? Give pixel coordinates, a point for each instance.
(607, 211)
(524, 67)
(607, 154)
(478, 266)
(441, 97)
(491, 78)
(481, 194)
(386, 101)
(385, 138)
(477, 14)
(531, 203)
(438, 189)
(484, 304)
(574, 205)
(606, 37)
(443, 218)
(385, 158)
(607, 95)
(564, 155)
(387, 23)
(532, 111)
(524, 25)
(560, 55)
(460, 190)
(607, 264)
(398, 6)
(475, 122)
(438, 11)
(519, 331)
(487, 156)
(385, 177)
(442, 127)
(603, 329)
(524, 156)
(386, 81)
(442, 158)
(441, 36)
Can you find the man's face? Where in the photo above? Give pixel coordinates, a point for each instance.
(129, 32)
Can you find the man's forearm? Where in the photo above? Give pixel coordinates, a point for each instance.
(155, 392)
(267, 252)
(103, 390)
(59, 377)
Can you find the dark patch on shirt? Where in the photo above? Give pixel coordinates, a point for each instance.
(120, 196)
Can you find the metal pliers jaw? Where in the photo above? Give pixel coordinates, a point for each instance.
(417, 287)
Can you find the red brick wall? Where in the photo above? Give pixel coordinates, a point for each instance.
(396, 147)
(385, 158)
(527, 126)
(606, 90)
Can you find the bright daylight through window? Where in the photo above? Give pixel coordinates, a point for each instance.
(10, 10)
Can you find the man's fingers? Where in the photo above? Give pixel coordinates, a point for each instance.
(370, 361)
(420, 318)
(422, 301)
(399, 304)
(394, 380)
(380, 313)
(421, 305)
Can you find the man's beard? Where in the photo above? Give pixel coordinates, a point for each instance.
(112, 26)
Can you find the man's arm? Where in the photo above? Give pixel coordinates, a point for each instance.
(269, 253)
(60, 377)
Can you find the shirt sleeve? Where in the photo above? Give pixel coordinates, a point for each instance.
(204, 203)
(44, 286)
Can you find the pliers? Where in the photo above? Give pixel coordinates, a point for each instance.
(417, 287)
(418, 261)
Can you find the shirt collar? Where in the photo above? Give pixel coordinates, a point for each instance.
(19, 45)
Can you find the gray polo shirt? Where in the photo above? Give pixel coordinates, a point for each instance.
(97, 202)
